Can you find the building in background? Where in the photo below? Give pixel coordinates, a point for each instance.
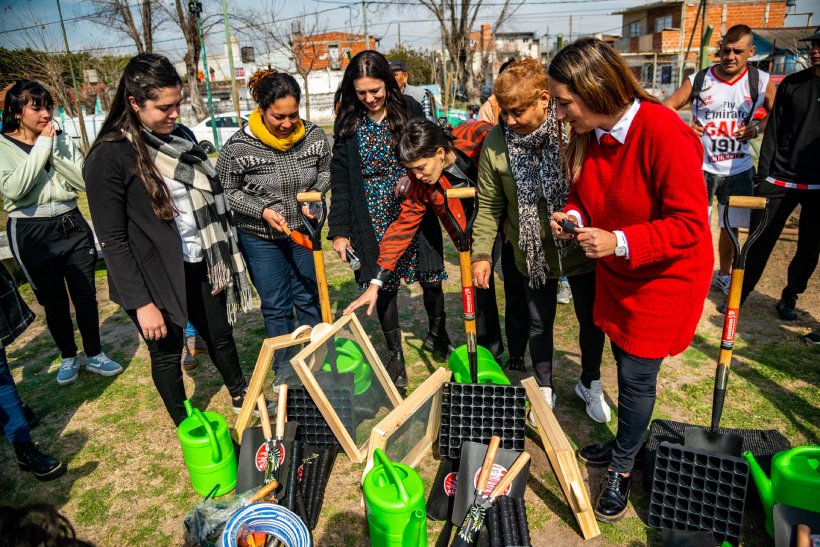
(655, 36)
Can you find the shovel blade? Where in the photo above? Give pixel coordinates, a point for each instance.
(712, 441)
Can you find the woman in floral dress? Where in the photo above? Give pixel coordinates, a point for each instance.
(368, 183)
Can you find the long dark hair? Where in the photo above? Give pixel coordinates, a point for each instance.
(144, 75)
(368, 64)
(421, 139)
(268, 86)
(22, 93)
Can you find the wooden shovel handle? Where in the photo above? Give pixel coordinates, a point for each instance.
(281, 411)
(510, 475)
(264, 492)
(747, 202)
(460, 193)
(307, 197)
(487, 466)
(263, 416)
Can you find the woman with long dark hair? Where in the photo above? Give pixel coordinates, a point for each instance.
(637, 192)
(40, 180)
(262, 167)
(522, 180)
(368, 184)
(162, 218)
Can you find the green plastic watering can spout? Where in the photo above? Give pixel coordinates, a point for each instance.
(189, 408)
(763, 483)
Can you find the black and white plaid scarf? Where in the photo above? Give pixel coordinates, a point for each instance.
(535, 161)
(183, 161)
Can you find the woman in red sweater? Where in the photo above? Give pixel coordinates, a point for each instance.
(637, 195)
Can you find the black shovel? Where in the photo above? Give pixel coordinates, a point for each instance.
(711, 439)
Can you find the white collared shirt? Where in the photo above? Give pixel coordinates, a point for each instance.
(621, 127)
(186, 224)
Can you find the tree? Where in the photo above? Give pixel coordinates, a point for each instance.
(456, 21)
(187, 23)
(119, 16)
(419, 65)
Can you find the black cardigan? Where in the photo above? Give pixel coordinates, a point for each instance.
(143, 254)
(348, 216)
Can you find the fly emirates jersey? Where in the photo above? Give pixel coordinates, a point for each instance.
(721, 109)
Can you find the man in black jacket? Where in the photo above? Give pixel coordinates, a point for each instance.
(788, 176)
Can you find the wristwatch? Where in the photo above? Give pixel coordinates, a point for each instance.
(620, 249)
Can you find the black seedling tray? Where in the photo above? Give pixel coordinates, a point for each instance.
(311, 426)
(507, 524)
(472, 412)
(762, 443)
(698, 490)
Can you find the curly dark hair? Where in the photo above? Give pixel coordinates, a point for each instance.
(368, 64)
(38, 524)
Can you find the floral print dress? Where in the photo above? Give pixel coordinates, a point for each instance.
(381, 170)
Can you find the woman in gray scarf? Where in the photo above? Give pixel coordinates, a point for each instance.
(521, 179)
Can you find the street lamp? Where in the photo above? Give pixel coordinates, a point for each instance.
(195, 9)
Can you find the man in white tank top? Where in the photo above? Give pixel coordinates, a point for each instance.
(722, 114)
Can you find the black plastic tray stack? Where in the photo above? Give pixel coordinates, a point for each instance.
(507, 523)
(472, 412)
(311, 426)
(698, 490)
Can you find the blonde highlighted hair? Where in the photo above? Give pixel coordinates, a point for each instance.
(602, 79)
(521, 84)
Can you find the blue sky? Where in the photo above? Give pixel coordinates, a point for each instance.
(385, 19)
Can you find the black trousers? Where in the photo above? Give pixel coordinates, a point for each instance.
(637, 383)
(56, 253)
(782, 202)
(542, 303)
(209, 316)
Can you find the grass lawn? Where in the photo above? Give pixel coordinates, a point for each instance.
(127, 483)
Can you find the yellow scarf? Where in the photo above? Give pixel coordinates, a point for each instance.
(261, 132)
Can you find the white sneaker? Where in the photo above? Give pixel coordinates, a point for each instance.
(722, 282)
(101, 364)
(564, 292)
(68, 371)
(549, 397)
(597, 409)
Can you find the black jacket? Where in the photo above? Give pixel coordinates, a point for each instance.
(349, 217)
(15, 316)
(143, 254)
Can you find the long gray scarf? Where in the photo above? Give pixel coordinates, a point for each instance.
(183, 161)
(535, 161)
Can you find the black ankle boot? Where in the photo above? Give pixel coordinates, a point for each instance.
(437, 338)
(613, 498)
(785, 306)
(30, 459)
(395, 364)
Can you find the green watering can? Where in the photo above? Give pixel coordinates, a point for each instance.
(394, 501)
(208, 451)
(488, 370)
(350, 360)
(795, 481)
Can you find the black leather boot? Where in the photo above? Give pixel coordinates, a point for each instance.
(30, 459)
(613, 498)
(437, 338)
(596, 455)
(785, 306)
(395, 365)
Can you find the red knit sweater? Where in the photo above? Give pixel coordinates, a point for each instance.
(651, 187)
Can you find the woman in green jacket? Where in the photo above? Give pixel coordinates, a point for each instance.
(40, 180)
(521, 179)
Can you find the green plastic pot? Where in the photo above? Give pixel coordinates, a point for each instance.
(488, 370)
(350, 360)
(208, 451)
(394, 503)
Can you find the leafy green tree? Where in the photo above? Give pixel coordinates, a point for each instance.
(419, 65)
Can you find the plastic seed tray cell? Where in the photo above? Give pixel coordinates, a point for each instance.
(472, 412)
(311, 426)
(698, 490)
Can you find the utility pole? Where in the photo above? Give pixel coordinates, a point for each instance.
(83, 134)
(230, 62)
(364, 19)
(195, 9)
(399, 25)
(570, 28)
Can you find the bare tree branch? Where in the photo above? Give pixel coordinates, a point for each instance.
(119, 15)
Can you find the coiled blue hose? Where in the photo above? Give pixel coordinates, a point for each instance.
(271, 519)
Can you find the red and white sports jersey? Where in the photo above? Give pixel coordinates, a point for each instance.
(721, 109)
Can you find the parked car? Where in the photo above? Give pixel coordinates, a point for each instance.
(226, 126)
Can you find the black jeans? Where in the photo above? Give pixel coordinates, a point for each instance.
(56, 253)
(637, 382)
(388, 310)
(516, 323)
(782, 201)
(487, 323)
(542, 304)
(208, 314)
